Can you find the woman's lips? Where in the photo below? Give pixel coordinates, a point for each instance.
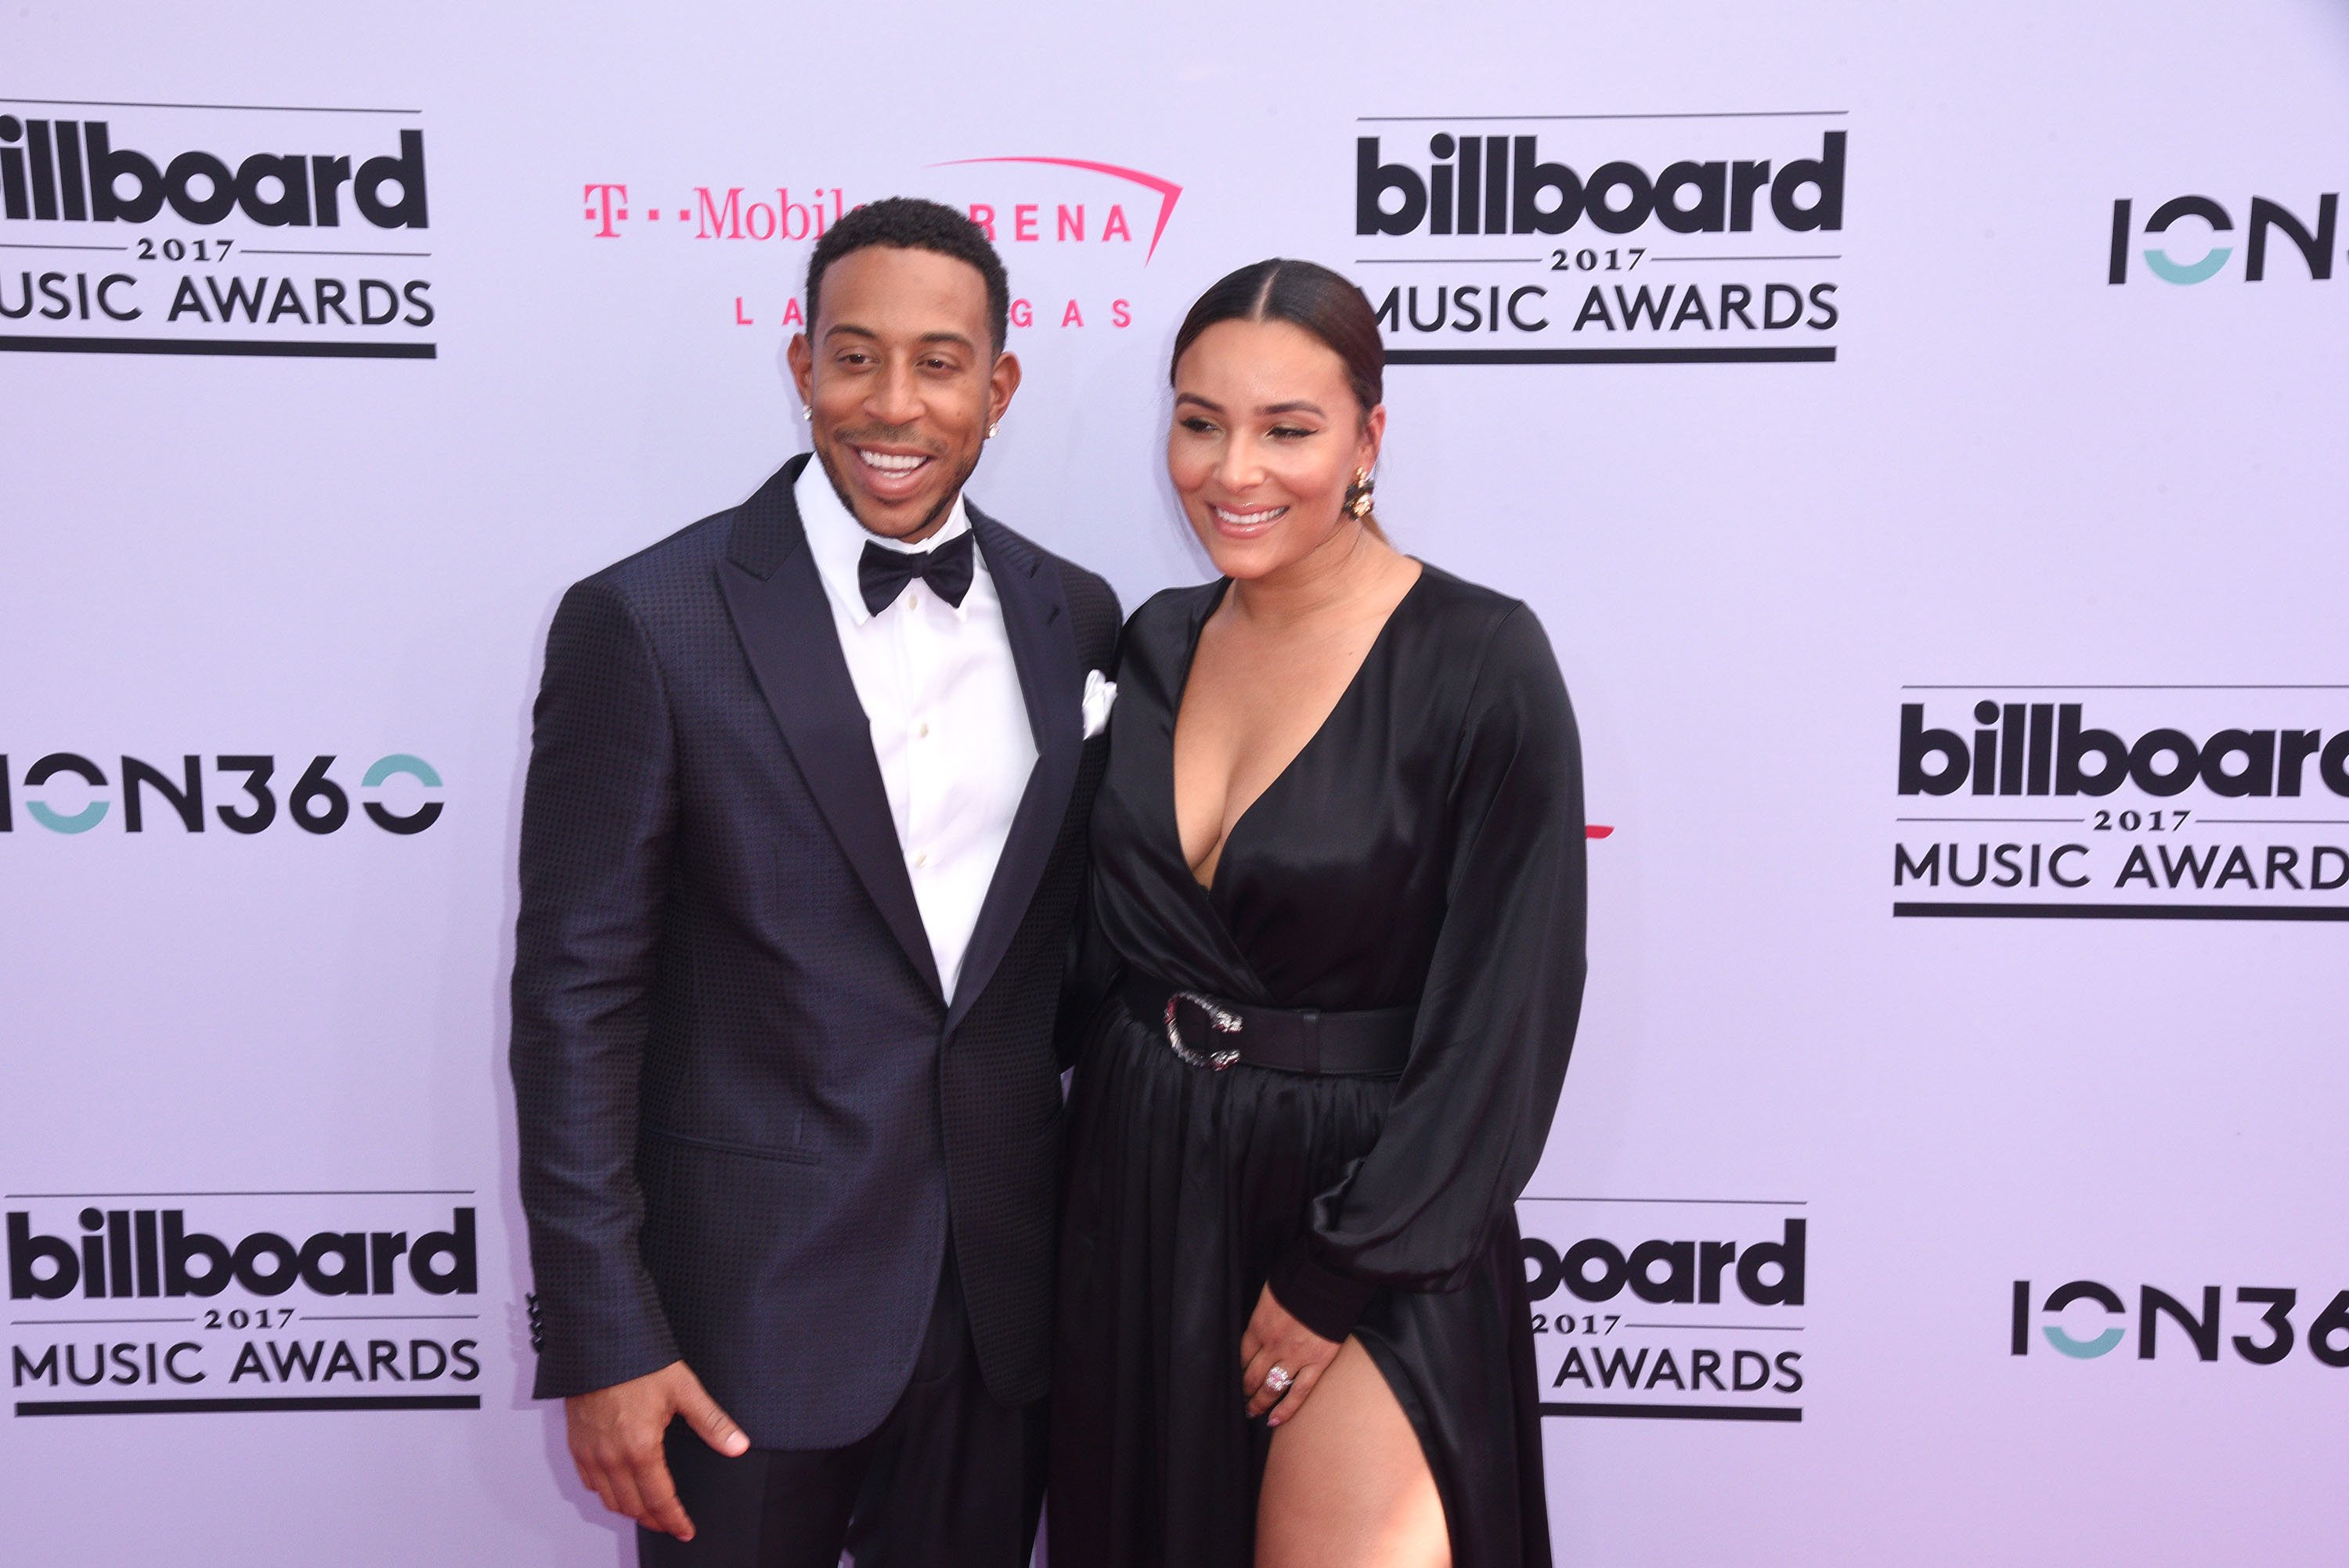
(1244, 524)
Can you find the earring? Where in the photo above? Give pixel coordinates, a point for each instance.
(808, 414)
(991, 428)
(1358, 494)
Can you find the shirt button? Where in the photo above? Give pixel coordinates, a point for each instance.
(922, 730)
(922, 859)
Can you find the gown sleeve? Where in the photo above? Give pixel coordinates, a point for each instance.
(1496, 1019)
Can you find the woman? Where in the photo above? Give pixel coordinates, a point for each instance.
(1336, 935)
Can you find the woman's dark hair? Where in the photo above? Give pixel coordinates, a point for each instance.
(1306, 296)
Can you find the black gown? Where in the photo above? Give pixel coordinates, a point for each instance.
(1425, 848)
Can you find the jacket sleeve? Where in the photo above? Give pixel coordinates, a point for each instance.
(1093, 964)
(599, 819)
(1496, 1019)
(1093, 968)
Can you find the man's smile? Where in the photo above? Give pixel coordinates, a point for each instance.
(890, 474)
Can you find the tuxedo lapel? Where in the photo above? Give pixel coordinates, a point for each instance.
(777, 600)
(1044, 649)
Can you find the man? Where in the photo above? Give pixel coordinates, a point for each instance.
(801, 841)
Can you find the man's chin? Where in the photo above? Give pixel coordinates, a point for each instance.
(892, 517)
(905, 519)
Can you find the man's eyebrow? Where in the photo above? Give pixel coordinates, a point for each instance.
(853, 330)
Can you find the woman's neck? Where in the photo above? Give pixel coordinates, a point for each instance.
(1330, 576)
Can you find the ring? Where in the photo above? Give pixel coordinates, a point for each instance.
(1278, 1379)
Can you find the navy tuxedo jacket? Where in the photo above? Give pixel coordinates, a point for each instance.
(748, 1118)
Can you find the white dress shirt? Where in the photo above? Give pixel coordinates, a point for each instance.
(942, 698)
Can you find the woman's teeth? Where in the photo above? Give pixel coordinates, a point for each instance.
(1255, 519)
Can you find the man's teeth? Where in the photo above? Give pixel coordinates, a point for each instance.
(892, 462)
(1248, 519)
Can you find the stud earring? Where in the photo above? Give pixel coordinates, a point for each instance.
(1358, 494)
(991, 428)
(808, 414)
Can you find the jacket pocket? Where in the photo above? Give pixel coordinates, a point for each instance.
(724, 1146)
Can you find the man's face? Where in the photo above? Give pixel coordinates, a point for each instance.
(901, 380)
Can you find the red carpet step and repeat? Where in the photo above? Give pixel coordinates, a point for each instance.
(1918, 427)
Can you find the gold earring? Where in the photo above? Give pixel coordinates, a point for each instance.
(1358, 494)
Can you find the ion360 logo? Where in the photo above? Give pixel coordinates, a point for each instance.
(2190, 239)
(67, 792)
(2084, 1320)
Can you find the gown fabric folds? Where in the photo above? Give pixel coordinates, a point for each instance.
(1425, 849)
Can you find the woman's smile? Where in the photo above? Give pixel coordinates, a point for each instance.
(1234, 522)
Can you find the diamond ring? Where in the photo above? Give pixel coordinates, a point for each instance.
(1278, 1379)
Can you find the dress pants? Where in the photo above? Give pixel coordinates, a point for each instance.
(950, 1478)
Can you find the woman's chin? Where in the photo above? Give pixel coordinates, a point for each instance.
(1243, 558)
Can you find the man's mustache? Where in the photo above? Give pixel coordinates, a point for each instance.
(891, 436)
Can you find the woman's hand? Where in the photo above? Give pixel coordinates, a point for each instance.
(1273, 1339)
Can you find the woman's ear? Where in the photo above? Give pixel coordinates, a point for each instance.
(1374, 431)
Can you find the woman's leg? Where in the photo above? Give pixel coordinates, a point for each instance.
(1347, 1484)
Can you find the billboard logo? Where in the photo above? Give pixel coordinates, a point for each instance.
(228, 1302)
(131, 1252)
(1687, 1326)
(1502, 185)
(2045, 748)
(1643, 239)
(312, 254)
(2123, 802)
(71, 171)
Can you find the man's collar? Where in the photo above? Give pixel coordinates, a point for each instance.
(837, 540)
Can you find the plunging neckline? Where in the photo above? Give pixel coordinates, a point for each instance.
(1183, 690)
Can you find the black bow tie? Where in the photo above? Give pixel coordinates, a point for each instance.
(882, 574)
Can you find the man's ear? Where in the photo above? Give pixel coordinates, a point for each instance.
(1001, 382)
(802, 362)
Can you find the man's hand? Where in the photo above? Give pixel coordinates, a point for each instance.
(616, 1440)
(1274, 1339)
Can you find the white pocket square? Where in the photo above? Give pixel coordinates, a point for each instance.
(1100, 694)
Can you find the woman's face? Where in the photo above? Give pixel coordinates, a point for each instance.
(1266, 437)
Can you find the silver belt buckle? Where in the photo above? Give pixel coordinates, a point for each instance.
(1222, 1022)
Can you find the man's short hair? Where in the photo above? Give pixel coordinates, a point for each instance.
(911, 224)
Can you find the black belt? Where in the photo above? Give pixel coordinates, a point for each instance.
(1209, 1032)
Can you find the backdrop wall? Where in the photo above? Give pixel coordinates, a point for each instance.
(1934, 503)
